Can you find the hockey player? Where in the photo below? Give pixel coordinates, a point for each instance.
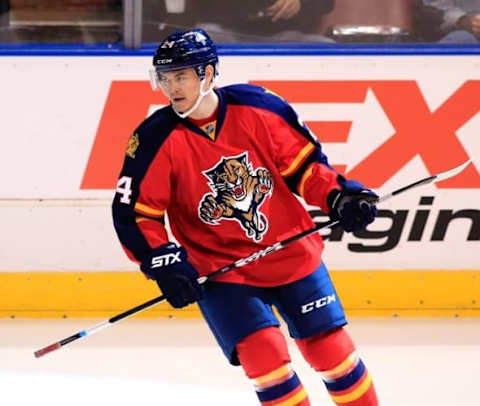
(226, 164)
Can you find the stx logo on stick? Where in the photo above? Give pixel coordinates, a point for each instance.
(431, 135)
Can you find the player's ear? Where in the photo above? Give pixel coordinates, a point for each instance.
(209, 74)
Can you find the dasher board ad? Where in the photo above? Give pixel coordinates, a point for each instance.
(386, 121)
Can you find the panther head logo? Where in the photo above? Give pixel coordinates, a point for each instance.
(238, 192)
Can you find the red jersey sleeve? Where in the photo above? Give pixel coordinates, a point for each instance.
(299, 157)
(153, 200)
(144, 189)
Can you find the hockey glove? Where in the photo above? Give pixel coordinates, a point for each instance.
(175, 276)
(353, 206)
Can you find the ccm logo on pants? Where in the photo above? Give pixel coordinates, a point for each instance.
(323, 301)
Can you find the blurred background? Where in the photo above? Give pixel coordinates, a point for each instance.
(250, 21)
(390, 88)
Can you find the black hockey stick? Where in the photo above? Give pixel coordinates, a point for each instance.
(242, 262)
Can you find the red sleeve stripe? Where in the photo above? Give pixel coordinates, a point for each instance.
(299, 159)
(148, 211)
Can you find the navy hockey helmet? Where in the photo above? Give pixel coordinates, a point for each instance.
(184, 49)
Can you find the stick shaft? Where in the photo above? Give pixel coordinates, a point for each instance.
(242, 262)
(98, 327)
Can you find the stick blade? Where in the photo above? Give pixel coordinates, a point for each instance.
(452, 172)
(46, 350)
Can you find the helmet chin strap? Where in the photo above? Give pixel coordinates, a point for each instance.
(200, 97)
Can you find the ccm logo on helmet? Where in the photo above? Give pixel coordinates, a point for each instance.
(323, 301)
(165, 260)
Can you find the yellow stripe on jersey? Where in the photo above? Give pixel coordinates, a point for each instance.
(357, 393)
(305, 176)
(307, 149)
(148, 210)
(139, 219)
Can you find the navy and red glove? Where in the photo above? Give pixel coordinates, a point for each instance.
(175, 276)
(353, 206)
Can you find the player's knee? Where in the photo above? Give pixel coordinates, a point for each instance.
(325, 351)
(262, 352)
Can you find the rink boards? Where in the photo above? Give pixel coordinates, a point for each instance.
(384, 120)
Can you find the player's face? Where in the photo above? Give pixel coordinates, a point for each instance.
(181, 87)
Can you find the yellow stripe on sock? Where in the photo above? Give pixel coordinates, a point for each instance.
(276, 373)
(294, 400)
(358, 392)
(342, 368)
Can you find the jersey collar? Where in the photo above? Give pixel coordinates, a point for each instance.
(222, 109)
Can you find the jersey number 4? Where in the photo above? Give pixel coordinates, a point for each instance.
(124, 188)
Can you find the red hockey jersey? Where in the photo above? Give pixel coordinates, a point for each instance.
(228, 187)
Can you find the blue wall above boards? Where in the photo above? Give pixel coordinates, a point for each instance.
(245, 49)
